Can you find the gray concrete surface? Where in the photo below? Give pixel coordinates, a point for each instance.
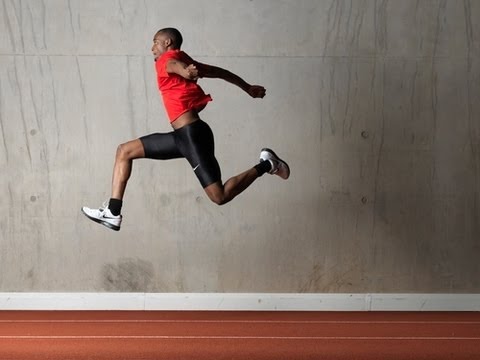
(373, 103)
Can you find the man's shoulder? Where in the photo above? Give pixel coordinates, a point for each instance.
(174, 53)
(183, 56)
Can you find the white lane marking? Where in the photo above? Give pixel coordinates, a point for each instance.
(167, 337)
(240, 321)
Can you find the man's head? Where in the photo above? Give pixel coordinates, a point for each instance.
(166, 39)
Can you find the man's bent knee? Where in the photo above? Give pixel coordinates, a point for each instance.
(130, 150)
(220, 200)
(121, 151)
(216, 193)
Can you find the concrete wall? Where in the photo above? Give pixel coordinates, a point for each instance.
(374, 104)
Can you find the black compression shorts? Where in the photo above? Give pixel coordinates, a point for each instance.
(194, 142)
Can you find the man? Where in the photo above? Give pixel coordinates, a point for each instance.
(191, 138)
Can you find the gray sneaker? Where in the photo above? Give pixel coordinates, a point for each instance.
(279, 167)
(103, 216)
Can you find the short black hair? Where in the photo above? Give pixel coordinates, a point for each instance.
(174, 34)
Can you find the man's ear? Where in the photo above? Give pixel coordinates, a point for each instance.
(168, 42)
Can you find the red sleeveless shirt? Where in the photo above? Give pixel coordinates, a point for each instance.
(179, 94)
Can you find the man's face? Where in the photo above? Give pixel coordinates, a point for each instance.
(160, 45)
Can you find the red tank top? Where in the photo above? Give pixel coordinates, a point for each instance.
(179, 94)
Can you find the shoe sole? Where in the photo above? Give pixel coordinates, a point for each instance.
(104, 223)
(278, 159)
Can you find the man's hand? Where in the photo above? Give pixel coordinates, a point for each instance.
(256, 91)
(191, 72)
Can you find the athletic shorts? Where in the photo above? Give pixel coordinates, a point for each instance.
(194, 142)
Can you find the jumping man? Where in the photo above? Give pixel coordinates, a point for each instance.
(191, 138)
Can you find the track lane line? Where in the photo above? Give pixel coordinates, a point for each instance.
(244, 322)
(167, 337)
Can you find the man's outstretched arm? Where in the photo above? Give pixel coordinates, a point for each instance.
(194, 71)
(209, 71)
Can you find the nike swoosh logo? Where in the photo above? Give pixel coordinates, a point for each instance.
(196, 167)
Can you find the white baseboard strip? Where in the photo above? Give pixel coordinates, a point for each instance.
(239, 301)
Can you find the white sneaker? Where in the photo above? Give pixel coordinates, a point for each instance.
(103, 216)
(279, 167)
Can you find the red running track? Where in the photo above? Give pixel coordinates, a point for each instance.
(238, 335)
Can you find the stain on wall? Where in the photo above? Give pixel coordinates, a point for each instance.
(127, 275)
